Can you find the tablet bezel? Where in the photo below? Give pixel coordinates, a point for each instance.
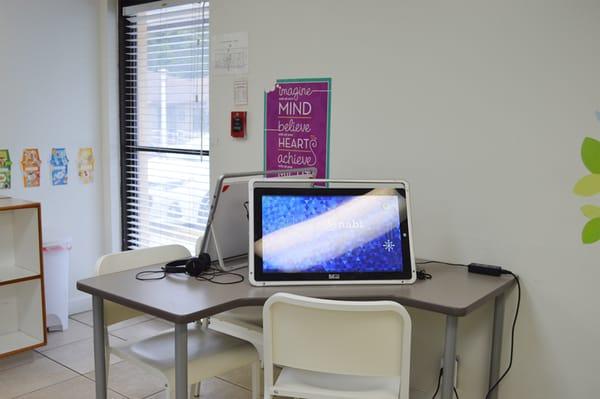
(259, 187)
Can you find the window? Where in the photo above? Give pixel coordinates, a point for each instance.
(164, 123)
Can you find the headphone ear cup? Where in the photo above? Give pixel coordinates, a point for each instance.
(196, 266)
(204, 260)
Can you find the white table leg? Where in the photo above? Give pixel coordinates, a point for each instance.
(99, 346)
(496, 343)
(181, 361)
(449, 357)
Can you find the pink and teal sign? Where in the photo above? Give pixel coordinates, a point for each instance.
(297, 122)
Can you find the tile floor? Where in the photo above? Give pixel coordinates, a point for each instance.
(65, 368)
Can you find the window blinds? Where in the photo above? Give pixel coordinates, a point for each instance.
(164, 124)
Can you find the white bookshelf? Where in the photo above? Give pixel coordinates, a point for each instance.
(21, 277)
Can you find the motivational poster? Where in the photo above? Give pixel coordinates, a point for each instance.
(297, 115)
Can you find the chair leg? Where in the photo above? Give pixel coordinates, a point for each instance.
(195, 391)
(256, 380)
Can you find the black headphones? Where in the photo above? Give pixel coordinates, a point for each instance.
(193, 266)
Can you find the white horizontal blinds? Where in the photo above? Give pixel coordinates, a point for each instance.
(165, 141)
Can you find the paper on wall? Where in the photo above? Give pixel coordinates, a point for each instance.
(86, 163)
(240, 92)
(5, 166)
(31, 165)
(59, 166)
(230, 54)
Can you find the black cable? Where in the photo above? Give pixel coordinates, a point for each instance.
(238, 268)
(140, 276)
(441, 263)
(247, 211)
(512, 334)
(439, 384)
(211, 274)
(423, 275)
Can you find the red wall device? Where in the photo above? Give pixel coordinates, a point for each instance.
(238, 124)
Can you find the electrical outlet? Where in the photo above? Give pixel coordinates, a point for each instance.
(455, 370)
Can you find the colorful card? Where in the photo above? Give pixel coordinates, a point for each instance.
(86, 163)
(31, 165)
(5, 166)
(59, 167)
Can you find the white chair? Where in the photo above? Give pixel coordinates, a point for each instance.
(336, 349)
(244, 322)
(209, 353)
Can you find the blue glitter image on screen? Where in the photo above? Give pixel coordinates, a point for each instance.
(371, 242)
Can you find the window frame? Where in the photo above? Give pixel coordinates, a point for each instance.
(127, 166)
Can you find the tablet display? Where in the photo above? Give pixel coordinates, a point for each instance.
(339, 234)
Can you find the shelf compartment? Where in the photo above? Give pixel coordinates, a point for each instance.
(19, 244)
(11, 274)
(22, 328)
(15, 341)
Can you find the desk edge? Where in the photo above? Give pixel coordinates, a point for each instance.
(259, 301)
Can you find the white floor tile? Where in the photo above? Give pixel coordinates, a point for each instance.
(76, 332)
(78, 355)
(241, 377)
(40, 373)
(19, 359)
(132, 381)
(84, 317)
(215, 388)
(75, 388)
(87, 318)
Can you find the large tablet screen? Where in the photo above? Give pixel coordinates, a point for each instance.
(331, 233)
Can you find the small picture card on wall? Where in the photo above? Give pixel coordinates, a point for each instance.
(86, 163)
(31, 165)
(59, 167)
(5, 167)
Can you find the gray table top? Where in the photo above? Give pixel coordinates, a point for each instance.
(182, 299)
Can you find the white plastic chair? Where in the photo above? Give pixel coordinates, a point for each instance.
(244, 322)
(209, 353)
(336, 349)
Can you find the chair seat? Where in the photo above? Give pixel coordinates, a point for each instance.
(210, 353)
(247, 314)
(310, 384)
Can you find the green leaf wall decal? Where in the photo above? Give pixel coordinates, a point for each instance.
(591, 231)
(590, 154)
(588, 185)
(591, 211)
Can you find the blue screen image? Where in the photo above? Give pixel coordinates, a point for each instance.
(331, 234)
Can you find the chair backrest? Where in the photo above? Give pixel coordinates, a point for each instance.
(121, 261)
(343, 337)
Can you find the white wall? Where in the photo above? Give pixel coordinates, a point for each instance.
(50, 97)
(482, 106)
